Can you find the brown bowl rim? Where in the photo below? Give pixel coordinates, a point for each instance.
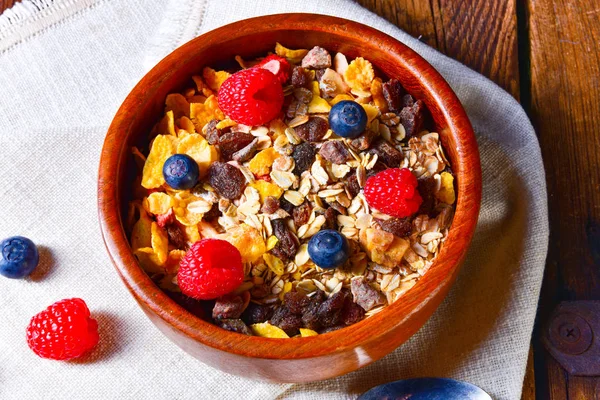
(463, 226)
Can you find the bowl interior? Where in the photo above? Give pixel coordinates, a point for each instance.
(255, 37)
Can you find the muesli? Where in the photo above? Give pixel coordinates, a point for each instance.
(295, 195)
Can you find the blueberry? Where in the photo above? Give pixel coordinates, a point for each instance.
(348, 119)
(181, 172)
(328, 249)
(18, 257)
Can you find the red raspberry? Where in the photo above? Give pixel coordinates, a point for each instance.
(279, 66)
(63, 331)
(251, 97)
(394, 192)
(210, 268)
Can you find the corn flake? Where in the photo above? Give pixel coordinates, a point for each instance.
(377, 94)
(201, 86)
(446, 193)
(178, 104)
(214, 79)
(148, 260)
(274, 263)
(248, 241)
(340, 97)
(202, 113)
(141, 234)
(267, 330)
(226, 123)
(262, 162)
(166, 126)
(158, 203)
(173, 260)
(191, 233)
(160, 243)
(293, 56)
(359, 74)
(186, 124)
(162, 148)
(271, 242)
(372, 111)
(318, 105)
(286, 288)
(197, 147)
(266, 189)
(304, 332)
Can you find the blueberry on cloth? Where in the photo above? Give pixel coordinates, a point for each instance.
(181, 172)
(18, 257)
(328, 249)
(348, 119)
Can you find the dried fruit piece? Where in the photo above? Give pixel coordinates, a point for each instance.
(213, 133)
(359, 74)
(383, 247)
(296, 301)
(176, 236)
(286, 320)
(400, 227)
(427, 189)
(304, 156)
(227, 180)
(334, 151)
(412, 118)
(257, 313)
(352, 185)
(228, 306)
(231, 142)
(393, 93)
(234, 325)
(300, 78)
(446, 193)
(364, 140)
(301, 214)
(364, 294)
(330, 311)
(313, 130)
(270, 204)
(288, 243)
(387, 153)
(317, 57)
(352, 312)
(310, 317)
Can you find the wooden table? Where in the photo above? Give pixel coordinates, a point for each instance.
(546, 53)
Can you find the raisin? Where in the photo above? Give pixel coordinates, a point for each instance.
(337, 207)
(286, 320)
(334, 151)
(227, 180)
(330, 311)
(364, 140)
(300, 77)
(256, 313)
(260, 291)
(212, 132)
(304, 156)
(393, 93)
(407, 101)
(235, 325)
(330, 218)
(412, 118)
(270, 205)
(310, 318)
(296, 302)
(228, 307)
(231, 142)
(400, 227)
(246, 153)
(352, 312)
(212, 214)
(316, 58)
(288, 243)
(286, 205)
(352, 185)
(301, 214)
(313, 130)
(291, 108)
(193, 306)
(387, 153)
(377, 168)
(176, 236)
(364, 294)
(426, 188)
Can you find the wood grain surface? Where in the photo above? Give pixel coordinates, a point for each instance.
(559, 58)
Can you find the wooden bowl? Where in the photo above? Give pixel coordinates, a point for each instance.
(295, 359)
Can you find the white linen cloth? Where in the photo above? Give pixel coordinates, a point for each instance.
(66, 66)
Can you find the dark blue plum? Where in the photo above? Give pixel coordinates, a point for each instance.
(328, 249)
(347, 119)
(181, 172)
(18, 257)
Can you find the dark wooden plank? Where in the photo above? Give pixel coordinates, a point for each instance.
(565, 109)
(480, 34)
(4, 4)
